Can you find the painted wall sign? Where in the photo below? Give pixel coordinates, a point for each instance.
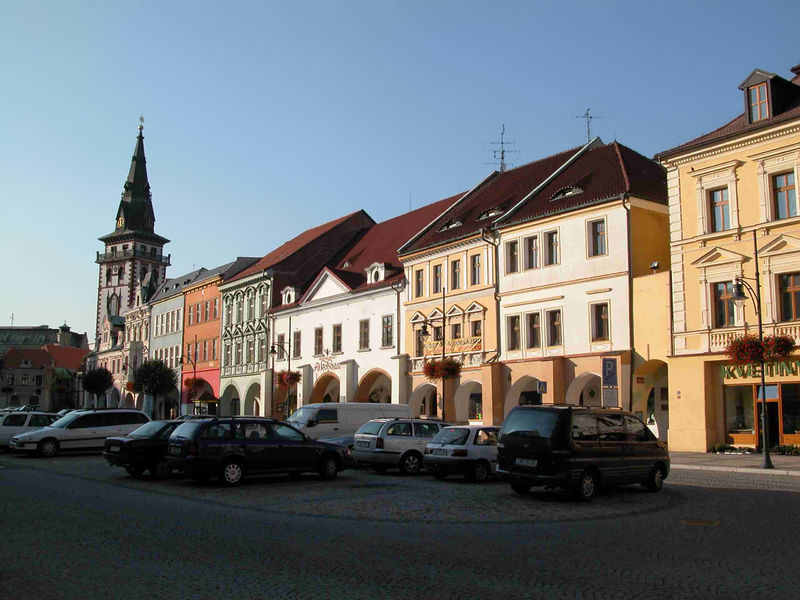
(326, 363)
(774, 369)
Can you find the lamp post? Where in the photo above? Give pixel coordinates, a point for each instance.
(739, 298)
(425, 333)
(287, 348)
(187, 358)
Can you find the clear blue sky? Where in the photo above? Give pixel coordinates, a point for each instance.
(266, 118)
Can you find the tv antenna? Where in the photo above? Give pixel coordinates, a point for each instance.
(500, 155)
(12, 319)
(588, 118)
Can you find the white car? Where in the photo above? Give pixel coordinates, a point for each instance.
(399, 443)
(469, 450)
(19, 422)
(79, 430)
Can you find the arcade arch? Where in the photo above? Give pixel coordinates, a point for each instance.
(468, 401)
(326, 388)
(423, 400)
(524, 391)
(252, 400)
(585, 390)
(375, 386)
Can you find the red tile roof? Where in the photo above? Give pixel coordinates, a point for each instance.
(67, 358)
(285, 250)
(38, 357)
(599, 173)
(499, 190)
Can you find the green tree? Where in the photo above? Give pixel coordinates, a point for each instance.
(154, 377)
(97, 381)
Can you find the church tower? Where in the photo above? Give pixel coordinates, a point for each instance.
(133, 251)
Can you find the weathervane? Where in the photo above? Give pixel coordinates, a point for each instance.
(588, 118)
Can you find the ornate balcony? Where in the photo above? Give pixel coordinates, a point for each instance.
(467, 359)
(719, 339)
(121, 254)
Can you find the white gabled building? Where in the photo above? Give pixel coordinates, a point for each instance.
(342, 333)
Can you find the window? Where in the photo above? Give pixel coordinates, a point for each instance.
(512, 256)
(723, 304)
(720, 209)
(600, 322)
(512, 323)
(216, 307)
(757, 97)
(551, 248)
(284, 432)
(789, 285)
(532, 252)
(475, 269)
(238, 353)
(610, 427)
(475, 329)
(437, 333)
(597, 238)
(554, 328)
(399, 429)
(281, 343)
(337, 338)
(584, 427)
(263, 303)
(262, 348)
(455, 331)
(437, 279)
(205, 349)
(206, 310)
(363, 334)
(214, 349)
(251, 307)
(317, 341)
(636, 431)
(228, 313)
(425, 430)
(327, 415)
(239, 309)
(419, 282)
(419, 343)
(296, 348)
(387, 335)
(486, 437)
(533, 326)
(191, 315)
(455, 275)
(784, 194)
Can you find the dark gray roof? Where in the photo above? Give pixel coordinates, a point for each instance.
(36, 337)
(174, 286)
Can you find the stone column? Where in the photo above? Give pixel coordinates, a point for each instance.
(400, 379)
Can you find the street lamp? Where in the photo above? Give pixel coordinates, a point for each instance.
(188, 359)
(286, 347)
(739, 298)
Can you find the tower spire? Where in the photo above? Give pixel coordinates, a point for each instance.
(136, 207)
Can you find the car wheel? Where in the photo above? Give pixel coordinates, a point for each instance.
(520, 487)
(48, 448)
(480, 471)
(440, 476)
(655, 481)
(232, 473)
(160, 470)
(134, 471)
(329, 467)
(410, 463)
(588, 485)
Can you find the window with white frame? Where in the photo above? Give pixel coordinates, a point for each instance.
(281, 346)
(317, 341)
(475, 269)
(784, 195)
(600, 329)
(437, 279)
(363, 334)
(723, 307)
(455, 275)
(387, 337)
(296, 347)
(789, 294)
(531, 244)
(719, 209)
(419, 283)
(512, 256)
(596, 232)
(551, 254)
(337, 338)
(512, 332)
(554, 328)
(533, 330)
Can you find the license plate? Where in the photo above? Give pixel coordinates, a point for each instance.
(176, 450)
(526, 462)
(439, 452)
(113, 448)
(362, 444)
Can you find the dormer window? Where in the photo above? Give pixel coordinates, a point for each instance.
(492, 212)
(450, 225)
(288, 295)
(566, 193)
(757, 100)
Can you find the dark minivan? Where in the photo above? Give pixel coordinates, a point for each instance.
(579, 449)
(230, 448)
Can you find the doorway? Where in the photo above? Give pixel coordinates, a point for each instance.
(773, 423)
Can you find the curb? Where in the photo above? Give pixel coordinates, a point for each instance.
(783, 472)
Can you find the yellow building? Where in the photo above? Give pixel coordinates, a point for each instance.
(732, 193)
(527, 280)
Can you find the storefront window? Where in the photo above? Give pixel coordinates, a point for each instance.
(475, 406)
(790, 393)
(772, 392)
(739, 409)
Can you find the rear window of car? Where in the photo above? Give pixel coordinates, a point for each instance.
(187, 429)
(371, 428)
(425, 430)
(15, 420)
(40, 420)
(531, 422)
(455, 436)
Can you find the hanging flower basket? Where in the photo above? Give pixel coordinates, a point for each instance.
(194, 383)
(129, 386)
(446, 368)
(287, 379)
(748, 349)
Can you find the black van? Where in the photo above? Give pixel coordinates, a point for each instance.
(580, 449)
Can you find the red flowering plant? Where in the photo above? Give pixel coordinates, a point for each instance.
(446, 368)
(129, 386)
(287, 379)
(194, 383)
(778, 347)
(749, 349)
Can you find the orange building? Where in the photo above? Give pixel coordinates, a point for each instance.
(201, 338)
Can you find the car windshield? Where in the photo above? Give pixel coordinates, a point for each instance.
(65, 420)
(371, 427)
(532, 423)
(301, 416)
(187, 429)
(456, 436)
(148, 430)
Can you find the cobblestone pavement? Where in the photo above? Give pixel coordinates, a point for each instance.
(75, 528)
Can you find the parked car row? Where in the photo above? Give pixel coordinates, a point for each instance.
(574, 448)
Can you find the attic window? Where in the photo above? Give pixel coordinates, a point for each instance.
(346, 264)
(450, 225)
(757, 100)
(566, 193)
(492, 212)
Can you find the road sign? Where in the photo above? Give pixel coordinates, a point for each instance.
(541, 387)
(610, 372)
(610, 397)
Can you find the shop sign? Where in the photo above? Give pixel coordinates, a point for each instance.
(773, 369)
(469, 344)
(326, 363)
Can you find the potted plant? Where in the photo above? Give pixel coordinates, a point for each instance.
(749, 349)
(286, 379)
(445, 368)
(778, 347)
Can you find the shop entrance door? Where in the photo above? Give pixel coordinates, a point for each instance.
(773, 423)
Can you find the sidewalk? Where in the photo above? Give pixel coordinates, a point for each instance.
(738, 463)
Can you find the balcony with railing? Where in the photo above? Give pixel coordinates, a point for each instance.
(121, 254)
(468, 351)
(718, 339)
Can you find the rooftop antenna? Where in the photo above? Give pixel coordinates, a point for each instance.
(501, 153)
(12, 319)
(588, 118)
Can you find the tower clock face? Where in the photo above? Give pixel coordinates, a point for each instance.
(121, 222)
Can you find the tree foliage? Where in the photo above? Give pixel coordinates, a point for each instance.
(154, 377)
(97, 381)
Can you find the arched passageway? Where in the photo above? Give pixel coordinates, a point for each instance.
(524, 391)
(229, 401)
(326, 389)
(585, 390)
(468, 401)
(423, 400)
(375, 386)
(252, 398)
(650, 396)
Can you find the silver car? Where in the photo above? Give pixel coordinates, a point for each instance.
(394, 443)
